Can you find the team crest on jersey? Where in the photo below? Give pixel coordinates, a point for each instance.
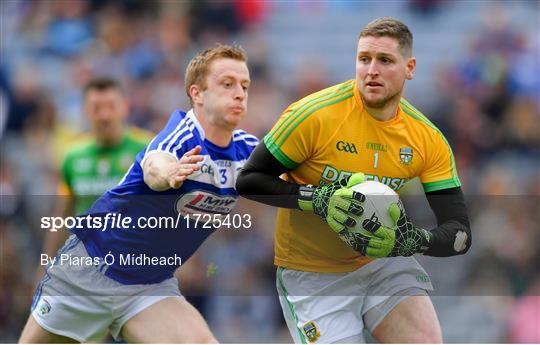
(406, 155)
(44, 307)
(200, 202)
(311, 331)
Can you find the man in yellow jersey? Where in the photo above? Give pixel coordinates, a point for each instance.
(333, 287)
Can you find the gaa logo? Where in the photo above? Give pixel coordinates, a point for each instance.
(346, 147)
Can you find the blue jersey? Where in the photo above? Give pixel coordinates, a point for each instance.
(209, 191)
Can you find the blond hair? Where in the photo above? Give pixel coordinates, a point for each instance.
(390, 27)
(199, 66)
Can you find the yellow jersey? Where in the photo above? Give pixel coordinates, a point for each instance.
(329, 135)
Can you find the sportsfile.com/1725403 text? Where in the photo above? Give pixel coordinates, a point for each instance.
(118, 221)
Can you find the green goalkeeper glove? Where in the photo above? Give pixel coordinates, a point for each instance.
(336, 203)
(402, 239)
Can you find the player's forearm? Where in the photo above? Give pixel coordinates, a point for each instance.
(156, 171)
(449, 239)
(259, 180)
(267, 189)
(452, 236)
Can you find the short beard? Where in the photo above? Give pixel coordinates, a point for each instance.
(382, 103)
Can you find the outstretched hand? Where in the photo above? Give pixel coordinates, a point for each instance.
(186, 166)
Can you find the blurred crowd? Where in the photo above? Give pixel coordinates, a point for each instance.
(487, 104)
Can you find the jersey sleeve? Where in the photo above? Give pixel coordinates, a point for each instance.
(440, 169)
(172, 140)
(245, 143)
(292, 139)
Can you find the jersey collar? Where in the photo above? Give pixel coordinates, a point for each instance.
(360, 105)
(191, 115)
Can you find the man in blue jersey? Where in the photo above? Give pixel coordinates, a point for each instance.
(116, 271)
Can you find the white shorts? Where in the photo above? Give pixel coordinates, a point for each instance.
(336, 307)
(80, 302)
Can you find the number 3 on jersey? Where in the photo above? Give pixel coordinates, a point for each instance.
(223, 173)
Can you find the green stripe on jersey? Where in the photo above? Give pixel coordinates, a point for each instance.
(415, 114)
(310, 101)
(438, 185)
(311, 111)
(421, 116)
(280, 156)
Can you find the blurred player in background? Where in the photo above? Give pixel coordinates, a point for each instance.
(189, 167)
(98, 162)
(331, 289)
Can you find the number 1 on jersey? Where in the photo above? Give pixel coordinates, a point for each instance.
(376, 160)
